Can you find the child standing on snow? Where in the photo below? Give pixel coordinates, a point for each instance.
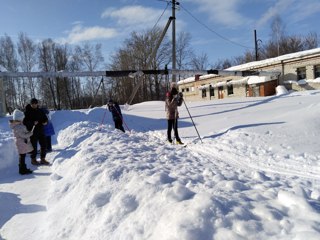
(48, 129)
(174, 99)
(114, 108)
(22, 140)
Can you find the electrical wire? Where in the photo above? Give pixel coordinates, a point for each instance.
(219, 35)
(160, 16)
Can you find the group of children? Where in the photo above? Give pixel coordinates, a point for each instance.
(30, 130)
(174, 99)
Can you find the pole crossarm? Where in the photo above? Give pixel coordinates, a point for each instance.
(60, 74)
(244, 73)
(120, 73)
(133, 73)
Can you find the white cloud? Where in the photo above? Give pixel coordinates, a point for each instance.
(305, 9)
(277, 9)
(133, 15)
(80, 34)
(224, 12)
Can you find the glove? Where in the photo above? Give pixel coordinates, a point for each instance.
(180, 98)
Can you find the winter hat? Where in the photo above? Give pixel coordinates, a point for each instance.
(174, 91)
(173, 85)
(34, 101)
(17, 115)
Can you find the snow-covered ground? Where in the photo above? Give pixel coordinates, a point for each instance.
(255, 175)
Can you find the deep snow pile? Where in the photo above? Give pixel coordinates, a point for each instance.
(255, 176)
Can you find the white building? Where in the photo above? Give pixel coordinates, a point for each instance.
(297, 71)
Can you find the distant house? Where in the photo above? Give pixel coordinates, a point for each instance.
(297, 71)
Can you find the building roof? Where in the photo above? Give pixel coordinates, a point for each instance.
(257, 64)
(275, 60)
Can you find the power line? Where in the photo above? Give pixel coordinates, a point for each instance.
(219, 35)
(160, 16)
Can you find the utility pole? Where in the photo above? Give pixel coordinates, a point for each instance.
(256, 45)
(174, 3)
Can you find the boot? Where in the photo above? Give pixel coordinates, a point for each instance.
(44, 162)
(23, 169)
(179, 142)
(34, 162)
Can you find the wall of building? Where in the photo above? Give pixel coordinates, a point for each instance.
(305, 87)
(287, 66)
(290, 67)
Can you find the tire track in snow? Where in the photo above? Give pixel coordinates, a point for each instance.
(240, 155)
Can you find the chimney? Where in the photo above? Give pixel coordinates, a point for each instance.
(197, 77)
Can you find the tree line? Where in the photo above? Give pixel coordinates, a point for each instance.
(280, 43)
(78, 92)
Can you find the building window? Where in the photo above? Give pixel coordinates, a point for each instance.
(301, 73)
(187, 89)
(204, 93)
(211, 89)
(230, 88)
(317, 71)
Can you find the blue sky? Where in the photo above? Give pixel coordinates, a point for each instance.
(110, 22)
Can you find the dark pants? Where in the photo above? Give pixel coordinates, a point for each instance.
(22, 158)
(48, 141)
(173, 124)
(118, 125)
(43, 145)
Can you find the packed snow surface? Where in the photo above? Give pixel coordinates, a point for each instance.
(255, 174)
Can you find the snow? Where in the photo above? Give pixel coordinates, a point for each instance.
(281, 90)
(303, 81)
(275, 60)
(255, 175)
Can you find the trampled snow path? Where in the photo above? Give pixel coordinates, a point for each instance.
(244, 150)
(25, 209)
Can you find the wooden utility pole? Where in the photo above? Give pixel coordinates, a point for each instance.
(256, 44)
(174, 3)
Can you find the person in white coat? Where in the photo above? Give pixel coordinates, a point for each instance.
(22, 139)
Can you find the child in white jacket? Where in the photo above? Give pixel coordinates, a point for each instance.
(22, 140)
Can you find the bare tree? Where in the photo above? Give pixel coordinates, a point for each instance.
(136, 55)
(199, 62)
(75, 84)
(311, 41)
(62, 84)
(27, 61)
(91, 59)
(278, 32)
(47, 64)
(185, 53)
(222, 64)
(9, 61)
